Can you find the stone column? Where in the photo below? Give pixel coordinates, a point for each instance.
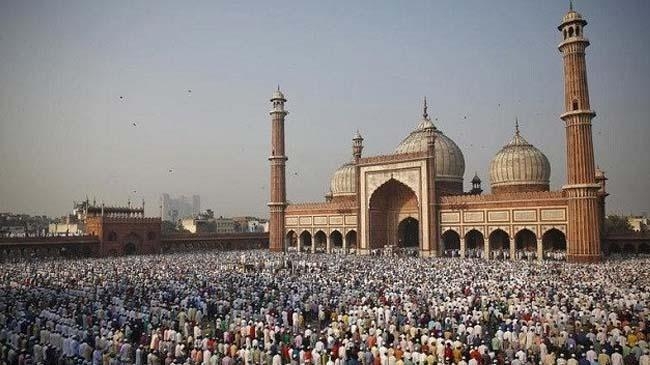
(328, 248)
(512, 249)
(486, 248)
(540, 250)
(463, 247)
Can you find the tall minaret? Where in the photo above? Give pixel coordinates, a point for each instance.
(583, 241)
(431, 247)
(357, 148)
(278, 202)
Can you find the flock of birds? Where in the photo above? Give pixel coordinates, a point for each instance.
(135, 124)
(294, 173)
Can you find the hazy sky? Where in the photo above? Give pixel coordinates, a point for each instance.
(343, 65)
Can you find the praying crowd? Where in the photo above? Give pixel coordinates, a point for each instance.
(261, 308)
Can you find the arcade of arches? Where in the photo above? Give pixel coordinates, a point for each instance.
(320, 241)
(500, 245)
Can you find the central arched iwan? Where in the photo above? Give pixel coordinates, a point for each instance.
(389, 204)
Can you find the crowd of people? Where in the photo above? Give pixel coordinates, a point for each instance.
(261, 308)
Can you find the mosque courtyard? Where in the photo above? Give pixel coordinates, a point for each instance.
(256, 307)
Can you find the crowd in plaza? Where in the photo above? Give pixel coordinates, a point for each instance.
(256, 307)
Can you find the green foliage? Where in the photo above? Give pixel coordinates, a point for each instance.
(168, 227)
(617, 224)
(209, 227)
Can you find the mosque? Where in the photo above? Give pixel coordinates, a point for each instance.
(413, 198)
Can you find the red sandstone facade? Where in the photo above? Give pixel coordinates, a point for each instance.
(403, 200)
(123, 230)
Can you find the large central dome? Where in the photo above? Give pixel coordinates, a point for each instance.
(450, 163)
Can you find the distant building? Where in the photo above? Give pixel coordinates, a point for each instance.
(12, 231)
(639, 223)
(65, 229)
(225, 225)
(200, 224)
(250, 224)
(258, 225)
(68, 225)
(196, 205)
(173, 209)
(121, 230)
(22, 225)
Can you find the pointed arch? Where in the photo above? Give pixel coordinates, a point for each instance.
(351, 239)
(291, 239)
(336, 239)
(390, 201)
(554, 239)
(450, 242)
(474, 240)
(408, 232)
(132, 243)
(390, 178)
(320, 241)
(526, 240)
(499, 243)
(305, 240)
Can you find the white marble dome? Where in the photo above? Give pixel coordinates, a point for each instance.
(519, 163)
(344, 180)
(450, 163)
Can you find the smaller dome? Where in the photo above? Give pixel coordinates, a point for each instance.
(344, 180)
(277, 94)
(476, 179)
(519, 166)
(571, 16)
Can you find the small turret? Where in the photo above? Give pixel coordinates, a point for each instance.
(357, 146)
(476, 185)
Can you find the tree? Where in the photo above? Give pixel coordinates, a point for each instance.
(168, 227)
(617, 224)
(210, 226)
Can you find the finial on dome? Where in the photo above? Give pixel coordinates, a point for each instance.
(278, 87)
(425, 114)
(357, 135)
(516, 125)
(570, 5)
(476, 179)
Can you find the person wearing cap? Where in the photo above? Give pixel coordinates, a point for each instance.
(616, 358)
